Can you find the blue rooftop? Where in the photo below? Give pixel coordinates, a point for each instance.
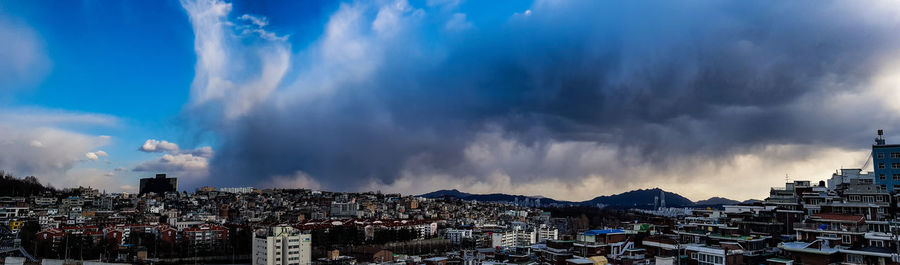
(603, 232)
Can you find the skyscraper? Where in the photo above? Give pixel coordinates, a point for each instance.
(160, 184)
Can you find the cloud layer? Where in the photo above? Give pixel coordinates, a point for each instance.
(593, 96)
(42, 143)
(192, 164)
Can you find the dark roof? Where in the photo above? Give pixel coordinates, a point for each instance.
(877, 250)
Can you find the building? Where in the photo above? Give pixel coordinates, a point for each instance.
(515, 237)
(206, 236)
(845, 176)
(281, 245)
(238, 190)
(159, 185)
(456, 236)
(886, 161)
(344, 209)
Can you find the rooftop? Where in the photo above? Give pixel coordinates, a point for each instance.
(603, 232)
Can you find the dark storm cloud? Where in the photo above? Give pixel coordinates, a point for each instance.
(658, 82)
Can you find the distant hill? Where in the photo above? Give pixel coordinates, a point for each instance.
(632, 199)
(640, 199)
(493, 197)
(12, 186)
(445, 193)
(717, 201)
(751, 201)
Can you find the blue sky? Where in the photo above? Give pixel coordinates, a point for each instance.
(568, 99)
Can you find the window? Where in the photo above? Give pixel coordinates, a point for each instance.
(880, 198)
(853, 258)
(877, 243)
(895, 165)
(895, 154)
(854, 198)
(896, 176)
(869, 198)
(881, 165)
(881, 176)
(846, 239)
(880, 155)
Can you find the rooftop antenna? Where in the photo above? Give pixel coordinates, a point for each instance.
(879, 139)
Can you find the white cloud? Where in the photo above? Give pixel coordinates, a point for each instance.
(257, 28)
(458, 22)
(52, 154)
(153, 145)
(40, 117)
(204, 151)
(60, 151)
(93, 156)
(183, 163)
(189, 163)
(256, 20)
(223, 72)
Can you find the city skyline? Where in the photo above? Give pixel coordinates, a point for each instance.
(568, 100)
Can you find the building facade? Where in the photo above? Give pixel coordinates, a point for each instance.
(281, 245)
(159, 184)
(886, 162)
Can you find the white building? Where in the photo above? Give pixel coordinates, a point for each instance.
(237, 190)
(456, 236)
(281, 245)
(516, 237)
(844, 176)
(545, 232)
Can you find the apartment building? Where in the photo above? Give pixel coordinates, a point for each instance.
(281, 245)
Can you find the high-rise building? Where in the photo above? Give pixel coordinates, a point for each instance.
(281, 245)
(159, 185)
(886, 161)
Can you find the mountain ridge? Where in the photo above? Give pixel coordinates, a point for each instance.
(640, 198)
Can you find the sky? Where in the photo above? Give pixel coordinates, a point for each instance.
(563, 99)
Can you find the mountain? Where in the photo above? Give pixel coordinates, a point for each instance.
(751, 201)
(640, 199)
(445, 193)
(493, 197)
(717, 201)
(632, 199)
(499, 197)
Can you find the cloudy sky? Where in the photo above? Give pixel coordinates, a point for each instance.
(565, 99)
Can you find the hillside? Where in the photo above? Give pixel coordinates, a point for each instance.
(12, 186)
(445, 193)
(632, 199)
(493, 197)
(717, 201)
(640, 199)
